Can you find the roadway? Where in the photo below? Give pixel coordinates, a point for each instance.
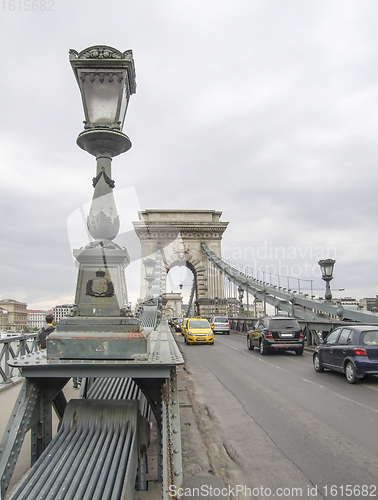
(296, 433)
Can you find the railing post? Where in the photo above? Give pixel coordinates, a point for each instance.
(7, 368)
(22, 346)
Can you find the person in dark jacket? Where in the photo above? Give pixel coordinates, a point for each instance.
(45, 331)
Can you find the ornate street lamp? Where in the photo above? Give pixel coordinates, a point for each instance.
(149, 268)
(101, 320)
(106, 78)
(326, 267)
(216, 299)
(241, 296)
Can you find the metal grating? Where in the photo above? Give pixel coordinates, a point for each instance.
(118, 388)
(94, 456)
(148, 317)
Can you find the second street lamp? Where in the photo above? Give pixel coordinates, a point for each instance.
(326, 267)
(149, 268)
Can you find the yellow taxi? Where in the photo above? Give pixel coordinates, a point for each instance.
(198, 331)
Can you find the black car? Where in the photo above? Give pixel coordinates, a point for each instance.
(277, 333)
(177, 324)
(352, 350)
(171, 322)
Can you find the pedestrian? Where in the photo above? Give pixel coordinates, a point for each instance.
(76, 382)
(45, 331)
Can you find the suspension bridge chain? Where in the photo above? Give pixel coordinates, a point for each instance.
(297, 304)
(191, 298)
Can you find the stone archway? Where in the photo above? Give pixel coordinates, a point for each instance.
(179, 234)
(172, 305)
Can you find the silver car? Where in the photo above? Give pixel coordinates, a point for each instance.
(220, 324)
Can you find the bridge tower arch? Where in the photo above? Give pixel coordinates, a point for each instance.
(179, 233)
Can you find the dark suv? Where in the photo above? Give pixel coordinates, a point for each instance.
(278, 333)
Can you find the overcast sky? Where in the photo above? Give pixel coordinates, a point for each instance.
(264, 109)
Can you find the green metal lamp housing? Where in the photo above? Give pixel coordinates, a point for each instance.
(106, 78)
(326, 267)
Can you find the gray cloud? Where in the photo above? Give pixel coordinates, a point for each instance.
(265, 110)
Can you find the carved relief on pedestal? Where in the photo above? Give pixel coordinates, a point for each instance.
(100, 286)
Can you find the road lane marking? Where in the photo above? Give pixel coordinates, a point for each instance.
(303, 379)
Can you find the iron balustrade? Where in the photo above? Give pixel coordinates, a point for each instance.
(296, 304)
(13, 347)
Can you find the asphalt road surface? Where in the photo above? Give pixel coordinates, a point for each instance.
(296, 433)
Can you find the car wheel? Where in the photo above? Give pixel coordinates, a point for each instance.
(263, 348)
(350, 373)
(299, 352)
(317, 364)
(228, 333)
(249, 344)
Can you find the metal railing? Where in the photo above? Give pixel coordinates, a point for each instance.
(316, 311)
(14, 347)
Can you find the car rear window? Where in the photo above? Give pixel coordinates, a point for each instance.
(284, 324)
(198, 323)
(370, 338)
(220, 320)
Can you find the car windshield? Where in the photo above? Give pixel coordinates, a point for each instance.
(198, 323)
(370, 338)
(283, 324)
(220, 320)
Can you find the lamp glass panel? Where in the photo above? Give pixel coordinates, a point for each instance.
(149, 271)
(124, 103)
(328, 270)
(101, 98)
(149, 266)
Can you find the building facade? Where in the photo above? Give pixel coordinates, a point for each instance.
(3, 319)
(369, 304)
(349, 302)
(61, 311)
(17, 317)
(37, 318)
